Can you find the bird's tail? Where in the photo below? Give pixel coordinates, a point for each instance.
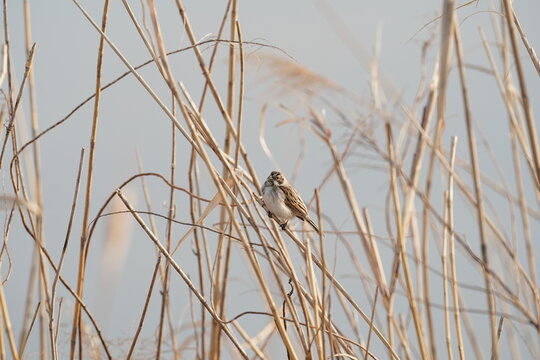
(312, 223)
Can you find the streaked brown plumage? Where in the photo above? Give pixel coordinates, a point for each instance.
(283, 201)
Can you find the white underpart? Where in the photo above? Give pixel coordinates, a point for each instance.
(275, 202)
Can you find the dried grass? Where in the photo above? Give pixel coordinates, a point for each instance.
(307, 307)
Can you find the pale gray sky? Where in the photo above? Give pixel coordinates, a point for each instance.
(323, 36)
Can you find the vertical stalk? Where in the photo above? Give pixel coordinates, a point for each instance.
(165, 303)
(445, 55)
(531, 126)
(451, 245)
(448, 243)
(401, 245)
(224, 245)
(62, 256)
(84, 241)
(37, 170)
(478, 196)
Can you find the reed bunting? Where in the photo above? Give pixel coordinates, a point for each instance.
(283, 201)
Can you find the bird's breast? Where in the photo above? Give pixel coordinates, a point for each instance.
(275, 203)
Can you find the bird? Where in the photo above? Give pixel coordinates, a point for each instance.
(283, 202)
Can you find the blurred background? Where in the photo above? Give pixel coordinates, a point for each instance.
(357, 64)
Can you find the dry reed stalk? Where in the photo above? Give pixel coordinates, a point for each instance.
(388, 295)
(444, 59)
(318, 323)
(204, 68)
(24, 339)
(445, 55)
(32, 225)
(437, 92)
(73, 293)
(453, 272)
(7, 48)
(63, 253)
(3, 346)
(193, 211)
(252, 344)
(169, 233)
(304, 297)
(381, 278)
(240, 94)
(287, 268)
(164, 271)
(286, 264)
(478, 194)
(401, 246)
(4, 70)
(84, 244)
(235, 28)
(324, 324)
(137, 76)
(151, 219)
(413, 187)
(113, 82)
(490, 223)
(161, 62)
(371, 322)
(13, 108)
(515, 300)
(7, 324)
(231, 72)
(362, 231)
(234, 189)
(216, 200)
(221, 189)
(325, 293)
(251, 257)
(531, 127)
(264, 335)
(223, 250)
(182, 274)
(444, 255)
(448, 247)
(33, 109)
(516, 132)
(353, 204)
(343, 292)
(200, 125)
(507, 98)
(36, 184)
(213, 88)
(28, 307)
(59, 312)
(526, 227)
(147, 42)
(182, 130)
(101, 211)
(146, 195)
(214, 53)
(145, 308)
(388, 299)
(530, 49)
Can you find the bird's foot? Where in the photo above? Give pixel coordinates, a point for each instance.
(284, 225)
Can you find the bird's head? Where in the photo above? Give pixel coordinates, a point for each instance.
(277, 178)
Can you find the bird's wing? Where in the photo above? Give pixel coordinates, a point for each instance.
(294, 201)
(312, 223)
